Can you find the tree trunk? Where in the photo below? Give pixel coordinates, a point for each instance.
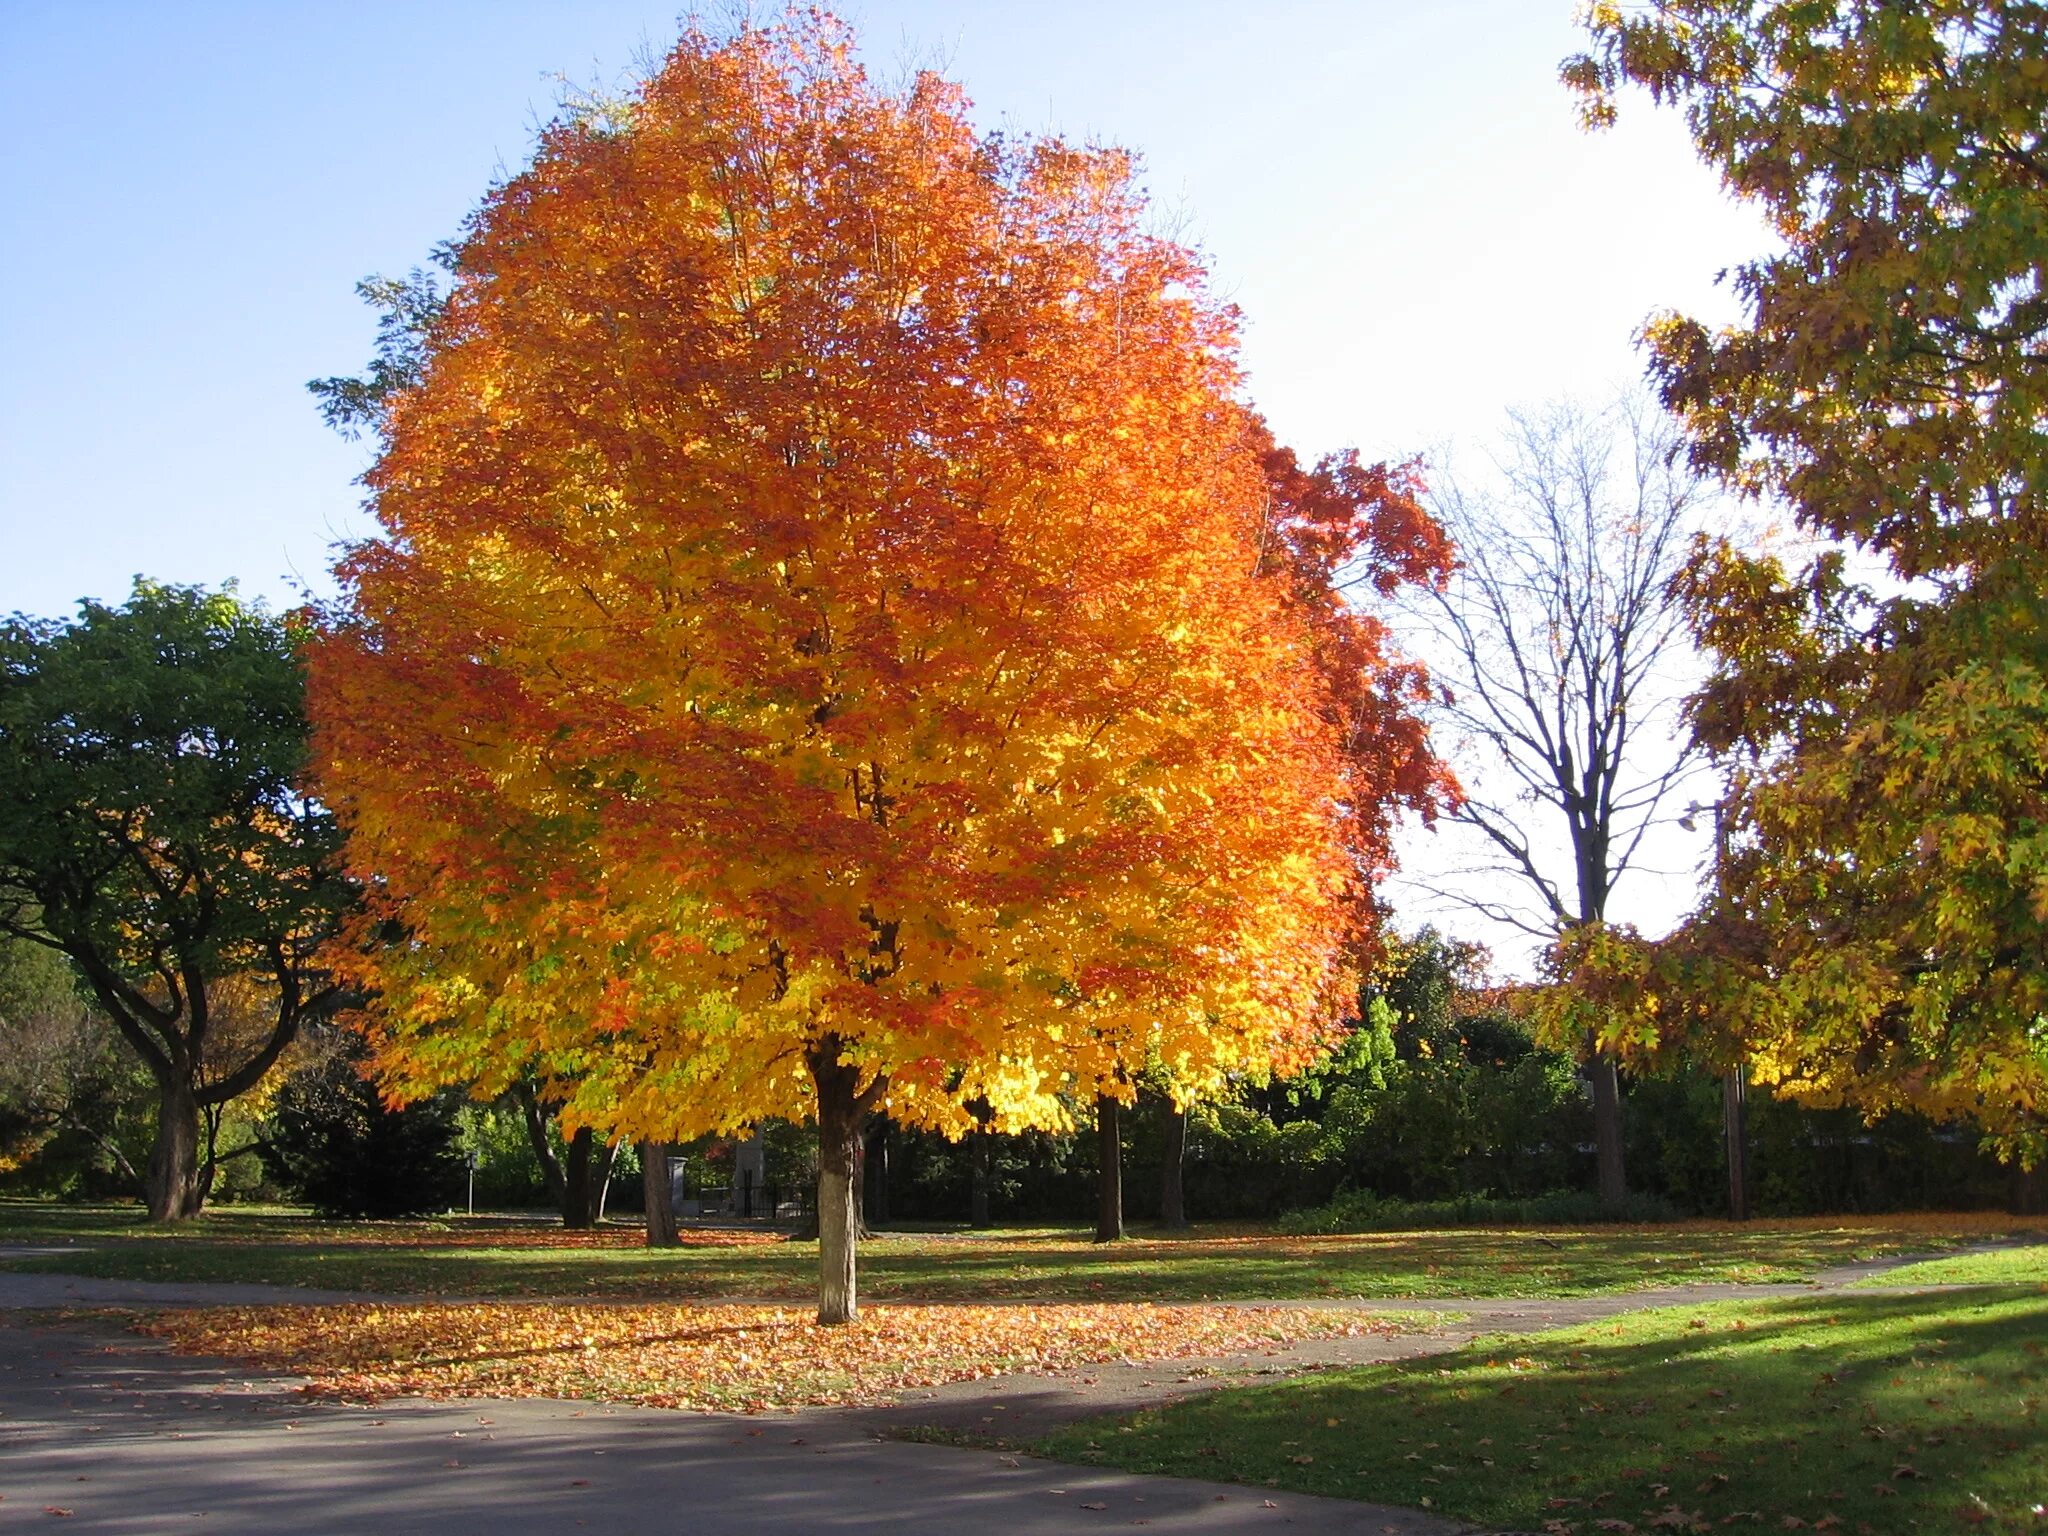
(603, 1161)
(113, 1153)
(2026, 1190)
(658, 1196)
(1607, 1130)
(1109, 1151)
(839, 1117)
(1735, 1137)
(875, 1174)
(980, 1152)
(209, 1153)
(175, 1191)
(579, 1190)
(543, 1150)
(1173, 1210)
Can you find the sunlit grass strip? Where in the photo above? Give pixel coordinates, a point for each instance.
(2010, 1266)
(1846, 1413)
(725, 1357)
(498, 1260)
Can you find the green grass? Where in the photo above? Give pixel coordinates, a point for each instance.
(481, 1257)
(2009, 1266)
(1850, 1413)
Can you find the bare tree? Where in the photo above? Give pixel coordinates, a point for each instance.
(1565, 657)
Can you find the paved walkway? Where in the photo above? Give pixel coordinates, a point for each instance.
(88, 1414)
(25, 1288)
(125, 1438)
(1023, 1408)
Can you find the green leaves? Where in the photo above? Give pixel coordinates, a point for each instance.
(149, 758)
(1878, 922)
(152, 827)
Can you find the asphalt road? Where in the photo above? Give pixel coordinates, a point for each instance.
(104, 1431)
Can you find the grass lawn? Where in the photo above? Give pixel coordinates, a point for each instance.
(494, 1258)
(2010, 1266)
(1846, 1412)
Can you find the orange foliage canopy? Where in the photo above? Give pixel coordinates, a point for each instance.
(833, 614)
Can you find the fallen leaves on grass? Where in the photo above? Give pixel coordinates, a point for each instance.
(509, 1237)
(719, 1357)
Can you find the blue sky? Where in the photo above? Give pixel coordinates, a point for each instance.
(1396, 194)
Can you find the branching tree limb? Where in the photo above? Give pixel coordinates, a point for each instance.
(1564, 653)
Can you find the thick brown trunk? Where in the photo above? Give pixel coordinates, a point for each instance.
(2026, 1190)
(1109, 1152)
(579, 1187)
(174, 1185)
(839, 1118)
(1735, 1137)
(658, 1196)
(1607, 1130)
(980, 1154)
(1173, 1209)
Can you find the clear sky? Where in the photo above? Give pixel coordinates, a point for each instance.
(1397, 195)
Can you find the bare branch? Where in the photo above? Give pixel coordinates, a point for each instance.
(1566, 650)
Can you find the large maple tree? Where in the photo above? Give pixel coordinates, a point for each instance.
(1879, 926)
(838, 641)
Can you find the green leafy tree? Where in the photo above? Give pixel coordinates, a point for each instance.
(1881, 908)
(151, 830)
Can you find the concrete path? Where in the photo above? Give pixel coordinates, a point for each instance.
(128, 1438)
(121, 1437)
(27, 1288)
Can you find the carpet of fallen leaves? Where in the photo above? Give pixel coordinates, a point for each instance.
(725, 1358)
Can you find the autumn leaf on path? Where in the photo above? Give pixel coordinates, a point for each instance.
(717, 1357)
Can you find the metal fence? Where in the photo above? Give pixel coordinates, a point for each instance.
(744, 1200)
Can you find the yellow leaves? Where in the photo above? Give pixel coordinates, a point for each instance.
(749, 1358)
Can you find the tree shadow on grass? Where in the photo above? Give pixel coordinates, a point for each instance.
(1875, 1410)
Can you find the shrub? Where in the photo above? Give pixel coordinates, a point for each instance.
(333, 1142)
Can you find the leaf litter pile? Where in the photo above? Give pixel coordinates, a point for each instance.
(725, 1358)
